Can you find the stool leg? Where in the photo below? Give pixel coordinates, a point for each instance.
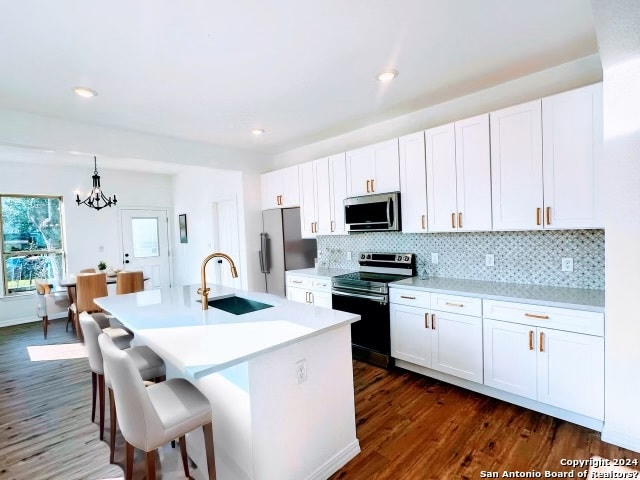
(151, 465)
(128, 471)
(183, 452)
(101, 395)
(208, 444)
(94, 389)
(112, 419)
(45, 325)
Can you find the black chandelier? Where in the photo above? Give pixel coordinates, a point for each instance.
(96, 198)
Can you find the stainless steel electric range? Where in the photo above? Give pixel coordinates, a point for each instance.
(366, 293)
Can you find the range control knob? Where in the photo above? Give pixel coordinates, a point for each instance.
(406, 258)
(399, 258)
(362, 256)
(368, 256)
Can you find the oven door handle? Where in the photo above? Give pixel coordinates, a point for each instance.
(382, 299)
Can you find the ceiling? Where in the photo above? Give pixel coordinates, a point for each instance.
(210, 70)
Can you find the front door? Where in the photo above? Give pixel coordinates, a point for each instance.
(145, 245)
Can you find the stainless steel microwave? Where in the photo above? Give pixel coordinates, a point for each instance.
(373, 213)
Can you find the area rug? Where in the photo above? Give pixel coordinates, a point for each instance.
(62, 351)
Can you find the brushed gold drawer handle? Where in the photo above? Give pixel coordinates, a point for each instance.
(407, 297)
(538, 211)
(426, 320)
(548, 215)
(423, 220)
(533, 315)
(368, 188)
(372, 187)
(453, 220)
(459, 219)
(433, 321)
(541, 342)
(530, 339)
(454, 304)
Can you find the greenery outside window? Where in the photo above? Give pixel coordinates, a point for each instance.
(32, 245)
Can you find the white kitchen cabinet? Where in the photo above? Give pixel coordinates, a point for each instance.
(309, 289)
(459, 176)
(373, 169)
(572, 145)
(323, 199)
(413, 183)
(552, 355)
(280, 189)
(447, 342)
(516, 167)
(308, 196)
(338, 189)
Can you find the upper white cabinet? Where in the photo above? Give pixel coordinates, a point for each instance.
(280, 188)
(544, 162)
(441, 178)
(413, 183)
(571, 149)
(516, 167)
(338, 192)
(308, 204)
(373, 169)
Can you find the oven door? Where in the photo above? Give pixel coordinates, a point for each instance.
(370, 335)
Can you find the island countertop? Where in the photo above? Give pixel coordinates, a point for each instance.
(199, 342)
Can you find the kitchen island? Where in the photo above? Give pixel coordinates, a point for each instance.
(279, 379)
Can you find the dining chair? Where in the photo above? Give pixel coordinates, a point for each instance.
(50, 303)
(88, 270)
(129, 282)
(149, 366)
(152, 416)
(88, 287)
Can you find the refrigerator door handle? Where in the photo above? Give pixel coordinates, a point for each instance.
(264, 267)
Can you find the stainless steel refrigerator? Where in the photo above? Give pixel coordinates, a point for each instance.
(282, 247)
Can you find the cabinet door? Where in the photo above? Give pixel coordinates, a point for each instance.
(271, 188)
(441, 178)
(360, 171)
(572, 133)
(571, 371)
(473, 174)
(413, 183)
(321, 299)
(338, 183)
(290, 190)
(516, 167)
(300, 295)
(323, 196)
(456, 343)
(410, 334)
(387, 167)
(308, 212)
(510, 357)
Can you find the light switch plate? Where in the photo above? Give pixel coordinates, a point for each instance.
(434, 257)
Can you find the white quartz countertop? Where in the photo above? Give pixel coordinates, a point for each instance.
(320, 272)
(198, 342)
(576, 298)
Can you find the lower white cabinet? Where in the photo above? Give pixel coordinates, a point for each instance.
(448, 342)
(304, 289)
(557, 367)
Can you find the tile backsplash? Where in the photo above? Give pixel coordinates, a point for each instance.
(532, 257)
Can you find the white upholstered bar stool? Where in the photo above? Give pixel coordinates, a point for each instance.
(152, 416)
(148, 365)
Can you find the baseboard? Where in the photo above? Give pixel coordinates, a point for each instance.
(9, 322)
(620, 439)
(336, 462)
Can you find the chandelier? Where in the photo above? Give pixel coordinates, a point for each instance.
(96, 198)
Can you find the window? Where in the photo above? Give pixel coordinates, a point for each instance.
(32, 245)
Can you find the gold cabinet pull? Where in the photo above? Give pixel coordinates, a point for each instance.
(453, 220)
(541, 342)
(372, 187)
(433, 321)
(423, 220)
(368, 188)
(310, 297)
(333, 225)
(306, 297)
(538, 211)
(459, 219)
(426, 320)
(407, 297)
(280, 200)
(530, 339)
(548, 211)
(533, 315)
(450, 304)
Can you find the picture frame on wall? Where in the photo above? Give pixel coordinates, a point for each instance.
(182, 224)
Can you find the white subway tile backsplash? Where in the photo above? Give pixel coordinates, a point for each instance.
(519, 257)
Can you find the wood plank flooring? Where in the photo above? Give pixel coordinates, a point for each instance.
(409, 426)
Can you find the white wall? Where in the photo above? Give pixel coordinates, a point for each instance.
(86, 230)
(617, 27)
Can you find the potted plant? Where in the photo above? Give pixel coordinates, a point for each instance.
(102, 265)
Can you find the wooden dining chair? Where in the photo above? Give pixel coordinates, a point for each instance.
(88, 270)
(129, 282)
(88, 287)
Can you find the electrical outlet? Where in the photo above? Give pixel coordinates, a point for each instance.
(434, 257)
(489, 260)
(301, 370)
(567, 264)
(348, 256)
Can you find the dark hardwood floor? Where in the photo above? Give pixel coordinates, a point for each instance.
(409, 426)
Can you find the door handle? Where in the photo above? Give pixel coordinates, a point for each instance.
(548, 215)
(530, 339)
(423, 218)
(372, 188)
(459, 219)
(433, 321)
(426, 320)
(368, 188)
(453, 220)
(538, 211)
(541, 341)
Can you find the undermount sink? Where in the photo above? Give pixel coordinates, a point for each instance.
(237, 305)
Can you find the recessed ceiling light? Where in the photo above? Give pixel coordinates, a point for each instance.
(388, 75)
(85, 92)
(257, 131)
